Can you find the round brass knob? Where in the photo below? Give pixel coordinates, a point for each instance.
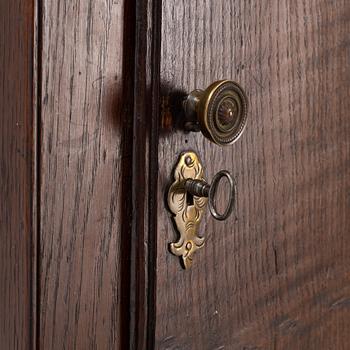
(219, 112)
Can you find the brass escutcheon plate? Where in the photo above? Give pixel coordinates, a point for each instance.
(188, 210)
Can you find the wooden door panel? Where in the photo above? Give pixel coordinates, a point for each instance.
(85, 99)
(17, 175)
(275, 274)
(79, 100)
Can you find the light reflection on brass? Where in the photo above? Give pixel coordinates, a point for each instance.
(219, 112)
(187, 211)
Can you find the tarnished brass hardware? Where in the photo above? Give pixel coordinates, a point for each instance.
(219, 112)
(187, 198)
(187, 214)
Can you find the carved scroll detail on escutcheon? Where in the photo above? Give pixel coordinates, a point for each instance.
(188, 210)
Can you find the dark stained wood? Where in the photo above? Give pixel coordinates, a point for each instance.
(144, 173)
(276, 274)
(86, 117)
(17, 174)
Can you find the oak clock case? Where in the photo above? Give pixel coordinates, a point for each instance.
(220, 113)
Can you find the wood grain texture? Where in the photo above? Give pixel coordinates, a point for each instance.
(276, 274)
(85, 171)
(17, 173)
(144, 173)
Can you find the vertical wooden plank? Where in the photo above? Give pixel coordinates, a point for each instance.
(85, 162)
(276, 274)
(17, 172)
(144, 173)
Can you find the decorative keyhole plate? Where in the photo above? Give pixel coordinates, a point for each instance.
(187, 212)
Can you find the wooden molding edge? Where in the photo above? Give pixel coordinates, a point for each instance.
(144, 173)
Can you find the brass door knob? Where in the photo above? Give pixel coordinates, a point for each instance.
(219, 112)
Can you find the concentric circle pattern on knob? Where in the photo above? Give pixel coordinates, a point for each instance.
(222, 112)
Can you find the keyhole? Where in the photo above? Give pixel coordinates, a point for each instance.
(189, 199)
